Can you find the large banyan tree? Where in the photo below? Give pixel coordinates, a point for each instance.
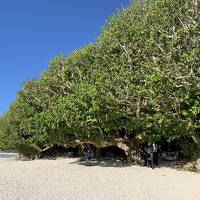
(140, 81)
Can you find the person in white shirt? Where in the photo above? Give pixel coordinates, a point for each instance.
(155, 153)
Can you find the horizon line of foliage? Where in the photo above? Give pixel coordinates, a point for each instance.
(141, 78)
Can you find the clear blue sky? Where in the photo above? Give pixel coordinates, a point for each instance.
(34, 31)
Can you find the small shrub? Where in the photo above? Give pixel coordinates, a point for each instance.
(28, 151)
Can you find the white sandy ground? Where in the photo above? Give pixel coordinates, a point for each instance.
(67, 179)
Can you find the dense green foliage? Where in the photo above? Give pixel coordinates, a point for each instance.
(139, 81)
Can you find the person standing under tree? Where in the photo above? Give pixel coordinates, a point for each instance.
(146, 156)
(155, 153)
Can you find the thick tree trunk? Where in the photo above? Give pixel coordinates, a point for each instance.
(97, 153)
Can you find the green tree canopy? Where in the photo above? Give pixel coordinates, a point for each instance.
(140, 80)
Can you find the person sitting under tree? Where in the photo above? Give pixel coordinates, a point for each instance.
(88, 156)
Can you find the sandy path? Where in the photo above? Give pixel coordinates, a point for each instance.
(65, 179)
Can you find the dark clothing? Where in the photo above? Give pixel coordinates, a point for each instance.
(146, 160)
(155, 154)
(88, 155)
(146, 157)
(155, 158)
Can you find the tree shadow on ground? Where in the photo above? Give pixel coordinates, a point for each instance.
(103, 162)
(113, 162)
(56, 157)
(175, 164)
